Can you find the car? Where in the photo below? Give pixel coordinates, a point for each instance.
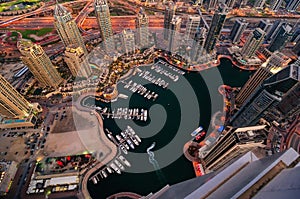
(200, 135)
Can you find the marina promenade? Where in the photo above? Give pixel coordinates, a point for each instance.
(83, 192)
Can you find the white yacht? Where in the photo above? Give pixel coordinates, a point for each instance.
(119, 165)
(109, 170)
(115, 168)
(94, 180)
(130, 143)
(124, 161)
(104, 174)
(134, 140)
(145, 115)
(138, 138)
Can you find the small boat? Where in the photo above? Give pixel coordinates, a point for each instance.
(119, 165)
(119, 138)
(109, 170)
(138, 138)
(134, 140)
(126, 145)
(123, 149)
(145, 115)
(94, 180)
(104, 173)
(115, 168)
(130, 143)
(196, 131)
(123, 135)
(124, 161)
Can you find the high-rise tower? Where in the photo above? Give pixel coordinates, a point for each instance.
(12, 103)
(212, 4)
(76, 61)
(283, 35)
(274, 30)
(142, 29)
(267, 96)
(253, 42)
(173, 33)
(271, 66)
(104, 23)
(192, 26)
(292, 5)
(168, 16)
(128, 41)
(215, 28)
(39, 63)
(265, 25)
(234, 143)
(237, 30)
(66, 28)
(275, 4)
(259, 4)
(197, 49)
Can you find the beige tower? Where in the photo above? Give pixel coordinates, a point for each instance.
(142, 28)
(128, 41)
(253, 42)
(12, 103)
(66, 28)
(104, 23)
(39, 63)
(77, 62)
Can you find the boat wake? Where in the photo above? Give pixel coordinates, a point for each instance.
(155, 164)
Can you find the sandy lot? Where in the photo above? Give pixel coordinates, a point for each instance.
(11, 146)
(79, 132)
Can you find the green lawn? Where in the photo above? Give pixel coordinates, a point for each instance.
(40, 32)
(7, 5)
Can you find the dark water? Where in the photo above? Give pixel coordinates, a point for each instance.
(188, 103)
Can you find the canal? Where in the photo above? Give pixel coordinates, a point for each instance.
(178, 111)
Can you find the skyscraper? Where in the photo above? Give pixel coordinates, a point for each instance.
(276, 25)
(192, 25)
(265, 25)
(212, 4)
(275, 4)
(287, 108)
(66, 27)
(173, 34)
(168, 16)
(12, 103)
(235, 142)
(142, 24)
(253, 42)
(128, 41)
(39, 63)
(292, 5)
(197, 49)
(296, 48)
(230, 3)
(267, 96)
(284, 34)
(275, 63)
(259, 4)
(237, 30)
(104, 23)
(77, 62)
(215, 29)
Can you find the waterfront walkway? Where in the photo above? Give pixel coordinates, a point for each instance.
(125, 194)
(83, 192)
